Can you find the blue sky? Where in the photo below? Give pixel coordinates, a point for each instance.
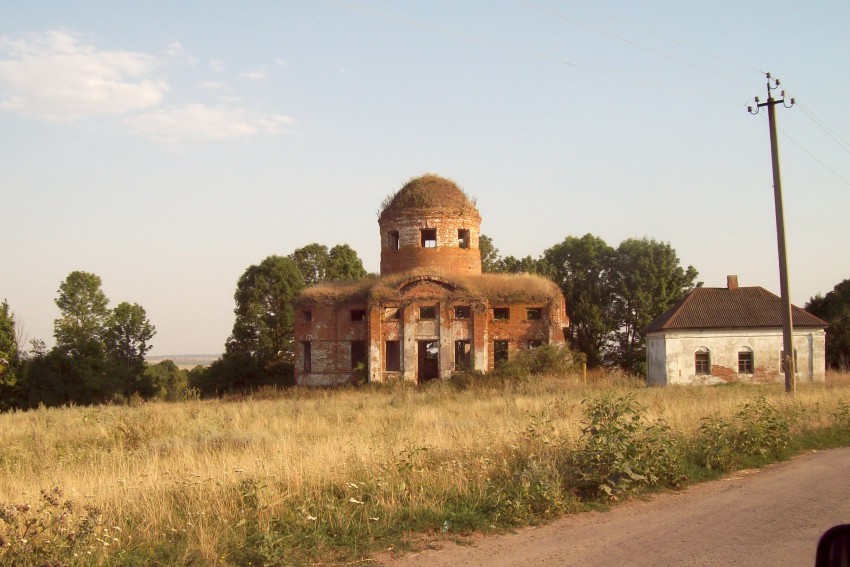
(167, 146)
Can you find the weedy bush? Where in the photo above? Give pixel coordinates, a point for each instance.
(52, 532)
(759, 433)
(620, 452)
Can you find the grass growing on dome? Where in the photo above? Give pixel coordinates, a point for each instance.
(428, 192)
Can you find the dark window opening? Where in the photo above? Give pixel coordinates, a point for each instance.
(429, 238)
(500, 353)
(462, 238)
(392, 313)
(534, 344)
(428, 312)
(745, 362)
(501, 313)
(358, 314)
(307, 348)
(463, 312)
(358, 356)
(392, 362)
(463, 355)
(534, 313)
(429, 360)
(702, 363)
(308, 316)
(392, 236)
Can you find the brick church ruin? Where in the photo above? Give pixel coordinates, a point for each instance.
(431, 312)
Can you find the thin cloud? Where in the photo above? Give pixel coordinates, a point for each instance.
(253, 75)
(55, 75)
(177, 52)
(202, 122)
(216, 66)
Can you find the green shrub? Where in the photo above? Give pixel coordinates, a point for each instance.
(620, 452)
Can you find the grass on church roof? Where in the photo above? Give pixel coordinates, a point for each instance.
(510, 288)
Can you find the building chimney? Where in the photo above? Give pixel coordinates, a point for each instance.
(731, 282)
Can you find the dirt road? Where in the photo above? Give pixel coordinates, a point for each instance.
(771, 516)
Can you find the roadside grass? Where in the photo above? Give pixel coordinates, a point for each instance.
(289, 477)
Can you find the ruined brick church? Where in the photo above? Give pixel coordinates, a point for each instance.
(431, 312)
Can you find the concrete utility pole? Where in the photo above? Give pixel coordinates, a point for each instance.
(788, 363)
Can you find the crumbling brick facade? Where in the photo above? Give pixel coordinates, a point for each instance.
(432, 312)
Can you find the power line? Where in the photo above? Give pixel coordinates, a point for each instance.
(535, 54)
(825, 127)
(629, 41)
(666, 37)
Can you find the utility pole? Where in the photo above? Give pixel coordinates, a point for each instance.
(788, 363)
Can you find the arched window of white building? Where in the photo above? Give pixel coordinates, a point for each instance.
(702, 362)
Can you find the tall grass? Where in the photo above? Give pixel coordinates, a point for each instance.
(302, 476)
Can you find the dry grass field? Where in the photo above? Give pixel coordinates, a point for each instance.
(316, 476)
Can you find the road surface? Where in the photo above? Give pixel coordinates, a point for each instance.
(770, 516)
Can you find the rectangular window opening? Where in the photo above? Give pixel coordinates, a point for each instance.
(308, 316)
(463, 312)
(500, 353)
(463, 355)
(745, 362)
(702, 363)
(392, 313)
(392, 360)
(393, 239)
(462, 238)
(429, 238)
(307, 349)
(358, 356)
(534, 313)
(534, 344)
(358, 315)
(501, 313)
(428, 312)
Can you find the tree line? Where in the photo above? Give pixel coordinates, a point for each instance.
(99, 355)
(611, 295)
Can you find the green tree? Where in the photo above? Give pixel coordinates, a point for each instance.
(317, 264)
(647, 279)
(582, 268)
(9, 347)
(83, 306)
(167, 380)
(126, 333)
(264, 324)
(513, 265)
(834, 308)
(344, 264)
(312, 261)
(490, 261)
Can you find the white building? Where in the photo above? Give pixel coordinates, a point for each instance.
(730, 334)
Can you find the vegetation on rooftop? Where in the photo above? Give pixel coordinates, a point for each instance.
(430, 193)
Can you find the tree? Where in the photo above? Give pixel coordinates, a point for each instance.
(312, 261)
(264, 324)
(83, 307)
(834, 308)
(582, 268)
(167, 380)
(647, 279)
(344, 264)
(489, 254)
(317, 264)
(9, 348)
(126, 333)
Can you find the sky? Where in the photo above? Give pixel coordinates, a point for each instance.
(167, 146)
